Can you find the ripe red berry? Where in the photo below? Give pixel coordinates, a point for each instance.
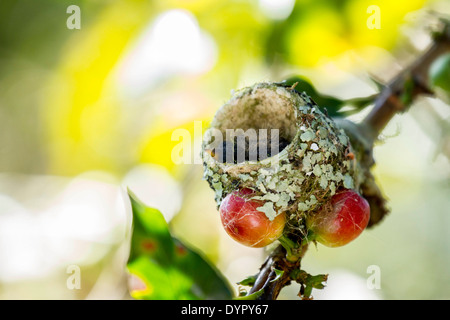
(245, 224)
(341, 220)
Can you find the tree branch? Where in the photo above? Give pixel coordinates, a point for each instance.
(268, 279)
(395, 97)
(391, 99)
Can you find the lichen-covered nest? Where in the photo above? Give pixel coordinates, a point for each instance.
(302, 176)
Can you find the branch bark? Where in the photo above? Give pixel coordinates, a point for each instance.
(267, 278)
(396, 97)
(389, 102)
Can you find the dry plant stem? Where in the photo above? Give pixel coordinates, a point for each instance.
(389, 102)
(267, 278)
(264, 275)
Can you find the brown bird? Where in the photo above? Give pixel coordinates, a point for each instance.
(246, 149)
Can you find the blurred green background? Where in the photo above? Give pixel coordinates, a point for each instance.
(86, 112)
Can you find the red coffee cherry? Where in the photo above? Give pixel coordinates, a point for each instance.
(341, 220)
(247, 225)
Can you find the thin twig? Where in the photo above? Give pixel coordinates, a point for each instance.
(389, 101)
(267, 278)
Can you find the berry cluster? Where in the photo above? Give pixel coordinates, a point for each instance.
(336, 223)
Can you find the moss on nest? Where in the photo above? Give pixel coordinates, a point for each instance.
(302, 176)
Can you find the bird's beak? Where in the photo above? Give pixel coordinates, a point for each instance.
(211, 152)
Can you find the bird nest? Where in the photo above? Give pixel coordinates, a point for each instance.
(307, 153)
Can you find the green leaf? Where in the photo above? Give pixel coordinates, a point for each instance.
(249, 281)
(151, 236)
(308, 282)
(407, 95)
(253, 296)
(209, 283)
(278, 273)
(439, 73)
(331, 105)
(168, 268)
(317, 281)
